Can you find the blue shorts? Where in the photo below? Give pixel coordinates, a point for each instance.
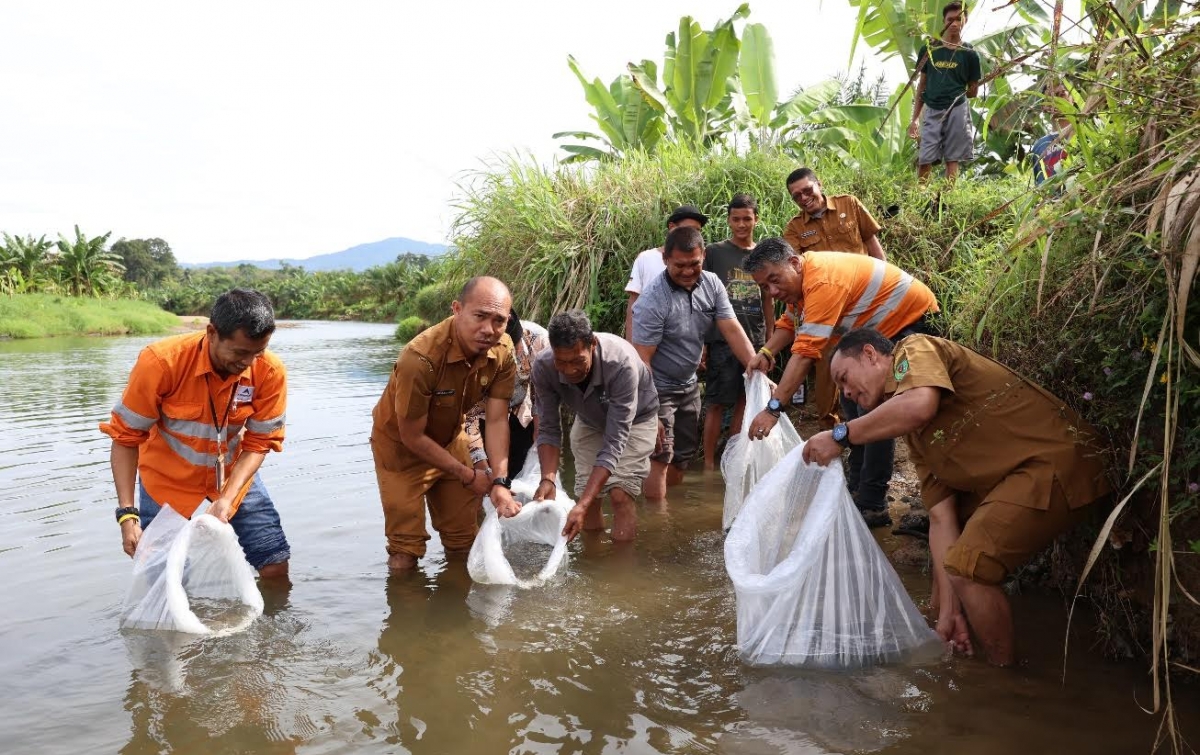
(256, 523)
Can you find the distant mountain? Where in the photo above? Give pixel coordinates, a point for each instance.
(357, 258)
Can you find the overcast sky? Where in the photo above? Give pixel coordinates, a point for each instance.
(288, 129)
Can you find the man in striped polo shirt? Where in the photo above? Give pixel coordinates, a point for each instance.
(835, 292)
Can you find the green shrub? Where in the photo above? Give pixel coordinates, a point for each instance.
(432, 303)
(409, 327)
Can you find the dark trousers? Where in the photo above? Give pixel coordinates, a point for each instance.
(520, 440)
(871, 464)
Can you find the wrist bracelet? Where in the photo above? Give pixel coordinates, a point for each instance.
(768, 352)
(549, 480)
(127, 517)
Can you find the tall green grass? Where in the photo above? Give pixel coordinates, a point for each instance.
(41, 315)
(565, 237)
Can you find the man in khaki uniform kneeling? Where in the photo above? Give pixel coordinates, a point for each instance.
(1005, 466)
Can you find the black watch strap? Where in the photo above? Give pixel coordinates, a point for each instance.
(503, 482)
(127, 512)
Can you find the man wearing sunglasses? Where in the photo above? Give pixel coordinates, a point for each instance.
(838, 223)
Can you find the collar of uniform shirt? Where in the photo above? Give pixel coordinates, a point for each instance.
(818, 215)
(689, 291)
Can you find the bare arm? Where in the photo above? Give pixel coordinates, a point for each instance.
(496, 436)
(972, 90)
(629, 316)
(242, 471)
(739, 344)
(646, 353)
(875, 249)
(943, 532)
(124, 461)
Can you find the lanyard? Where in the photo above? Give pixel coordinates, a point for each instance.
(221, 432)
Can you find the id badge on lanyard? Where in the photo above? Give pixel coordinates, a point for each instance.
(222, 429)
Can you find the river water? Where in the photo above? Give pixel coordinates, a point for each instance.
(633, 651)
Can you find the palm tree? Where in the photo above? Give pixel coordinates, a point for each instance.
(85, 266)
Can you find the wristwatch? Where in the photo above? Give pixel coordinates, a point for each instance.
(127, 512)
(774, 406)
(841, 433)
(503, 482)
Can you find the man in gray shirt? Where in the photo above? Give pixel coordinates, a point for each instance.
(670, 321)
(602, 380)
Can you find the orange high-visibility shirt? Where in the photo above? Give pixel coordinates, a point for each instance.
(844, 291)
(165, 411)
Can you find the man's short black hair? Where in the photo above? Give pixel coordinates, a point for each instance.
(569, 328)
(800, 174)
(243, 309)
(770, 250)
(853, 342)
(683, 238)
(742, 202)
(953, 6)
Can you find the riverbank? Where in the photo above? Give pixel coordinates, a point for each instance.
(42, 315)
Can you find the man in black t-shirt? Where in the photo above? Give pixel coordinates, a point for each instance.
(950, 73)
(724, 385)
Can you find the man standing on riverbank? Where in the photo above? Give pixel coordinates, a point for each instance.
(837, 223)
(608, 388)
(724, 376)
(420, 447)
(1005, 466)
(670, 322)
(832, 292)
(941, 120)
(200, 413)
(649, 264)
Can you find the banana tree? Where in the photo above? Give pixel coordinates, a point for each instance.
(627, 119)
(85, 266)
(26, 254)
(699, 79)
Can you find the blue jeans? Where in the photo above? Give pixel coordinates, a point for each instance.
(256, 524)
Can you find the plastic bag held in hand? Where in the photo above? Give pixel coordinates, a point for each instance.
(538, 523)
(813, 587)
(745, 461)
(180, 563)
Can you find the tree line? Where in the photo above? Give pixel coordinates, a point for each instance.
(146, 269)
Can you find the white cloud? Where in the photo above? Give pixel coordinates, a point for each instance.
(253, 130)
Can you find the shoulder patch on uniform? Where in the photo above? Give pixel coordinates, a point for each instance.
(901, 370)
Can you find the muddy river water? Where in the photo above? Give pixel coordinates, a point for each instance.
(632, 651)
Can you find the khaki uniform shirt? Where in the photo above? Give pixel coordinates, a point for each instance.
(433, 378)
(845, 226)
(996, 435)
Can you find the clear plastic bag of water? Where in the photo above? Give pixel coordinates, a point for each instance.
(745, 461)
(813, 587)
(190, 576)
(527, 549)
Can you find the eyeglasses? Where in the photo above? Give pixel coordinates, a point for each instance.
(811, 191)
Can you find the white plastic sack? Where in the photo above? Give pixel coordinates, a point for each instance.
(813, 587)
(181, 565)
(534, 535)
(744, 461)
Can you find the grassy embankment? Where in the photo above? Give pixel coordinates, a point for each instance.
(41, 315)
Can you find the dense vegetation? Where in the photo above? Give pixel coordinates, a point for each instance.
(40, 315)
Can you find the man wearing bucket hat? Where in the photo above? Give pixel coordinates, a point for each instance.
(649, 264)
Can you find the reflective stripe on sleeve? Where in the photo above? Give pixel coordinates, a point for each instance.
(132, 418)
(265, 427)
